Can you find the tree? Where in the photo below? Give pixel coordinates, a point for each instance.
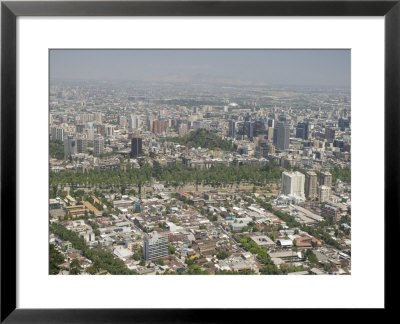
(222, 255)
(55, 259)
(160, 262)
(75, 267)
(171, 249)
(92, 270)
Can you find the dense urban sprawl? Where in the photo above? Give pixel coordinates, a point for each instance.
(198, 179)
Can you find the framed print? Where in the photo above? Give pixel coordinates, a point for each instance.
(186, 154)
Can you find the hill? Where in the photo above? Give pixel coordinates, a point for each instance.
(203, 138)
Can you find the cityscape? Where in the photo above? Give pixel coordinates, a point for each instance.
(199, 162)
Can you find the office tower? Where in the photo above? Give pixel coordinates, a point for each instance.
(109, 130)
(133, 122)
(271, 123)
(98, 145)
(81, 145)
(302, 130)
(281, 136)
(329, 134)
(264, 148)
(69, 146)
(293, 184)
(324, 193)
(159, 126)
(311, 185)
(136, 146)
(155, 246)
(232, 130)
(325, 179)
(57, 133)
(270, 134)
(259, 128)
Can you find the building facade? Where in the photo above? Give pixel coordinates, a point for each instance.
(155, 246)
(98, 145)
(136, 146)
(325, 179)
(311, 185)
(293, 184)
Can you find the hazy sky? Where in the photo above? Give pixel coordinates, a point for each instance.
(274, 67)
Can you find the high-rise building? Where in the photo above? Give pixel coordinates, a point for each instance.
(324, 193)
(155, 246)
(133, 122)
(98, 145)
(302, 130)
(69, 146)
(232, 130)
(263, 148)
(122, 121)
(57, 133)
(259, 128)
(109, 130)
(329, 134)
(270, 134)
(136, 146)
(81, 145)
(281, 136)
(311, 185)
(325, 179)
(293, 184)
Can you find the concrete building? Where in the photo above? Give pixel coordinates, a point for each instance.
(324, 193)
(281, 136)
(155, 246)
(98, 145)
(302, 130)
(331, 212)
(136, 146)
(232, 130)
(81, 144)
(293, 184)
(325, 179)
(311, 186)
(70, 147)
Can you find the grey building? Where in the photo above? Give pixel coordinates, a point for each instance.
(98, 145)
(311, 186)
(155, 246)
(281, 136)
(70, 147)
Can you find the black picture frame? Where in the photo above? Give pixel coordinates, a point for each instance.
(10, 10)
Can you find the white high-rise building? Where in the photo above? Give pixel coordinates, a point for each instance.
(133, 122)
(293, 184)
(324, 193)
